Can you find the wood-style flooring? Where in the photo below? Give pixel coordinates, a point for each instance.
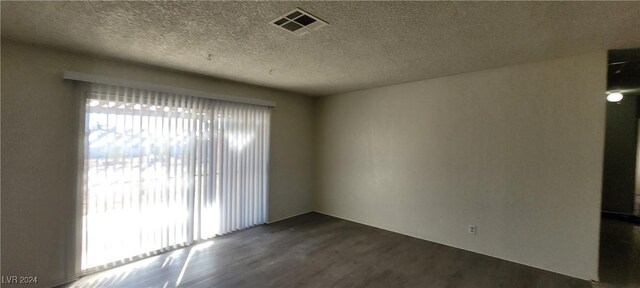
(315, 250)
(619, 254)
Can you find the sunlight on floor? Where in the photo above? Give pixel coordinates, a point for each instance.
(192, 250)
(171, 262)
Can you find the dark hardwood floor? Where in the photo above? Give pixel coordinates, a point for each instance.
(619, 254)
(315, 250)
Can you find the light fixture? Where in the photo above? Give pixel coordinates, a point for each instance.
(614, 97)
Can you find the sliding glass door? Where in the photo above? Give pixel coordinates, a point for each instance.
(164, 170)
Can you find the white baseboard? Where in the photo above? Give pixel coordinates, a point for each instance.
(287, 217)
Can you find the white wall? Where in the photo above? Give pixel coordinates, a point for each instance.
(39, 135)
(516, 151)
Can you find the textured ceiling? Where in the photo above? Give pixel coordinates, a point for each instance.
(367, 44)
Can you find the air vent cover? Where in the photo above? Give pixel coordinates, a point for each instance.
(299, 22)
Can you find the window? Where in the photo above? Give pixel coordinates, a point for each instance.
(165, 170)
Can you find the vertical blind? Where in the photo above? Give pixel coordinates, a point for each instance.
(164, 170)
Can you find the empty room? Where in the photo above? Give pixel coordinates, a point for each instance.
(320, 144)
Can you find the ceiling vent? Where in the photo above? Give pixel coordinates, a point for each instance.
(299, 22)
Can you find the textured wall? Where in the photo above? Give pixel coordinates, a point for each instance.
(516, 151)
(39, 133)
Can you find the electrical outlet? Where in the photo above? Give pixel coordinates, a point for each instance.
(472, 229)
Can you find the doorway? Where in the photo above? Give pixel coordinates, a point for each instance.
(620, 226)
(621, 179)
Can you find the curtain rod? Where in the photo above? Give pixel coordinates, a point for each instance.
(92, 78)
